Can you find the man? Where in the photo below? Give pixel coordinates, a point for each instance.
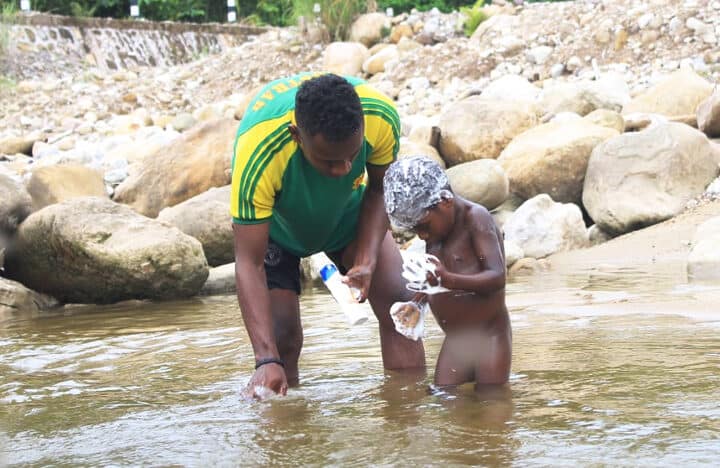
(298, 187)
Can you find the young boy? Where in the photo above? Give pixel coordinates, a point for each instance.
(469, 246)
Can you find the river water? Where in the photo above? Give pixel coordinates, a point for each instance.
(611, 367)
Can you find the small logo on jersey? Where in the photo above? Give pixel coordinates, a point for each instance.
(273, 255)
(359, 181)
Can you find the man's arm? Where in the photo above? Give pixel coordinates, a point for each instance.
(372, 227)
(250, 245)
(488, 246)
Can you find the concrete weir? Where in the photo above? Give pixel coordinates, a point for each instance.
(112, 44)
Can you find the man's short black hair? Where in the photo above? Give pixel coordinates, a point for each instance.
(328, 104)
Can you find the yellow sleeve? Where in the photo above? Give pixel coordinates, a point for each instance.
(259, 161)
(382, 125)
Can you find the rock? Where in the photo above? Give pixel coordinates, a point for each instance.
(53, 184)
(526, 266)
(539, 55)
(704, 257)
(638, 179)
(678, 94)
(708, 115)
(18, 301)
(412, 148)
(21, 144)
(368, 28)
(206, 217)
(190, 165)
(513, 253)
(482, 181)
(183, 122)
(606, 118)
(345, 58)
(15, 206)
(476, 128)
(221, 280)
(552, 158)
(542, 227)
(567, 97)
(92, 250)
(245, 102)
(376, 63)
(402, 30)
(511, 87)
(597, 236)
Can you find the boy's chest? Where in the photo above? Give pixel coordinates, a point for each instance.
(458, 255)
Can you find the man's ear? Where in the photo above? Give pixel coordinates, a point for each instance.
(295, 132)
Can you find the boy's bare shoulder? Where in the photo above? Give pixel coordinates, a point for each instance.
(479, 217)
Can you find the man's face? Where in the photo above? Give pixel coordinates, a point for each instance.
(332, 159)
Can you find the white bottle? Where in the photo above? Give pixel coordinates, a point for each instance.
(354, 312)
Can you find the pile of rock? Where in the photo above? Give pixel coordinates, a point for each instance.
(570, 137)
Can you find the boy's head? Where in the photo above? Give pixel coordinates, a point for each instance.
(414, 187)
(330, 124)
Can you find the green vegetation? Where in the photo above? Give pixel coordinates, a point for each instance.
(337, 15)
(474, 15)
(7, 12)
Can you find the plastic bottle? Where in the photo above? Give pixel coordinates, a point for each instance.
(354, 312)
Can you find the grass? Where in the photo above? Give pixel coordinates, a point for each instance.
(336, 15)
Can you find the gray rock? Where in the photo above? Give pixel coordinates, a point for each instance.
(482, 181)
(638, 179)
(541, 227)
(17, 301)
(206, 217)
(92, 250)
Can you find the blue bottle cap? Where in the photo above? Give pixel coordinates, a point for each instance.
(327, 271)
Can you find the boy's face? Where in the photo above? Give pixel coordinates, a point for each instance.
(437, 223)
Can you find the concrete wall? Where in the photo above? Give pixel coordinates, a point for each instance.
(110, 44)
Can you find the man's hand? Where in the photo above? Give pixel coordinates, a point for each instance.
(270, 376)
(359, 277)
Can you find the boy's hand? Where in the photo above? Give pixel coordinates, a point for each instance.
(434, 278)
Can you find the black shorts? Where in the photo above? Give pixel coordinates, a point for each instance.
(282, 268)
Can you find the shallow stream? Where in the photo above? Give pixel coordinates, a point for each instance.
(610, 367)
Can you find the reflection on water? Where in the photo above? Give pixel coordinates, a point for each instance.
(610, 367)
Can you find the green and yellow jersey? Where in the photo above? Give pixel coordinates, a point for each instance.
(273, 182)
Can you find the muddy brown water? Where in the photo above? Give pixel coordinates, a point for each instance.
(611, 367)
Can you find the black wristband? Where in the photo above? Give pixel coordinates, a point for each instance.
(272, 360)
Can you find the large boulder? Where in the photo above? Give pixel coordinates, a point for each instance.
(368, 29)
(376, 62)
(345, 58)
(190, 165)
(638, 179)
(704, 258)
(92, 250)
(482, 181)
(678, 94)
(410, 148)
(56, 183)
(17, 300)
(477, 128)
(541, 227)
(206, 217)
(511, 87)
(15, 205)
(552, 158)
(708, 115)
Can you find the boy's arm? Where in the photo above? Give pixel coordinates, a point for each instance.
(488, 245)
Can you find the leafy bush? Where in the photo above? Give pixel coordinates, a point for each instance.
(474, 15)
(336, 15)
